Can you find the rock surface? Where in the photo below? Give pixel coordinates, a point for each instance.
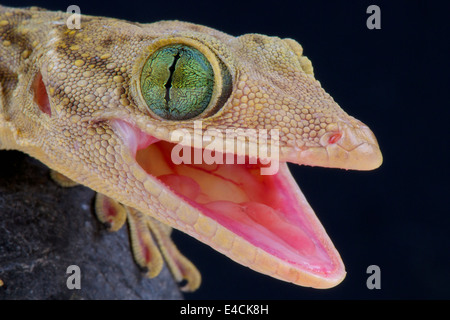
(45, 228)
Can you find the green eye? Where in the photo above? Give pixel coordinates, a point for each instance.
(177, 82)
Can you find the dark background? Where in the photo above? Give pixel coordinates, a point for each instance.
(396, 81)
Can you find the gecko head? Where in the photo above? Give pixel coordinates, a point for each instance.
(230, 99)
(275, 84)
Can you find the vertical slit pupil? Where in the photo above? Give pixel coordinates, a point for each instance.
(168, 84)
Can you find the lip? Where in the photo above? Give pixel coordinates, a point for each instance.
(263, 222)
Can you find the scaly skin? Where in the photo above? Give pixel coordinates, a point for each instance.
(91, 77)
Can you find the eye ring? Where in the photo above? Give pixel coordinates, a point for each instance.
(169, 64)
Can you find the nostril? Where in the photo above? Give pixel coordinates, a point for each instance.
(334, 138)
(40, 94)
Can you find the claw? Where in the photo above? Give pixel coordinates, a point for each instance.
(179, 265)
(110, 212)
(145, 251)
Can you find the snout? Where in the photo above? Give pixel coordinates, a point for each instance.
(347, 144)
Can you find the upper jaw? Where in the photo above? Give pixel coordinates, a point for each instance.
(356, 149)
(350, 145)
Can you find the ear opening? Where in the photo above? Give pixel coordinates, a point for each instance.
(40, 94)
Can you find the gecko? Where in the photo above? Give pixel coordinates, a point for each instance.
(99, 105)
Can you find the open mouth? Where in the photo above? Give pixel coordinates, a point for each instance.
(267, 211)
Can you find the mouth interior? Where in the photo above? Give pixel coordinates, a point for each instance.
(263, 209)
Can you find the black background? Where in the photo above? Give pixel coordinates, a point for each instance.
(396, 81)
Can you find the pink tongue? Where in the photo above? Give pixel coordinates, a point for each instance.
(271, 219)
(246, 216)
(263, 224)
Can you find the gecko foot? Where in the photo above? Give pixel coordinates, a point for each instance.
(150, 241)
(111, 213)
(182, 269)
